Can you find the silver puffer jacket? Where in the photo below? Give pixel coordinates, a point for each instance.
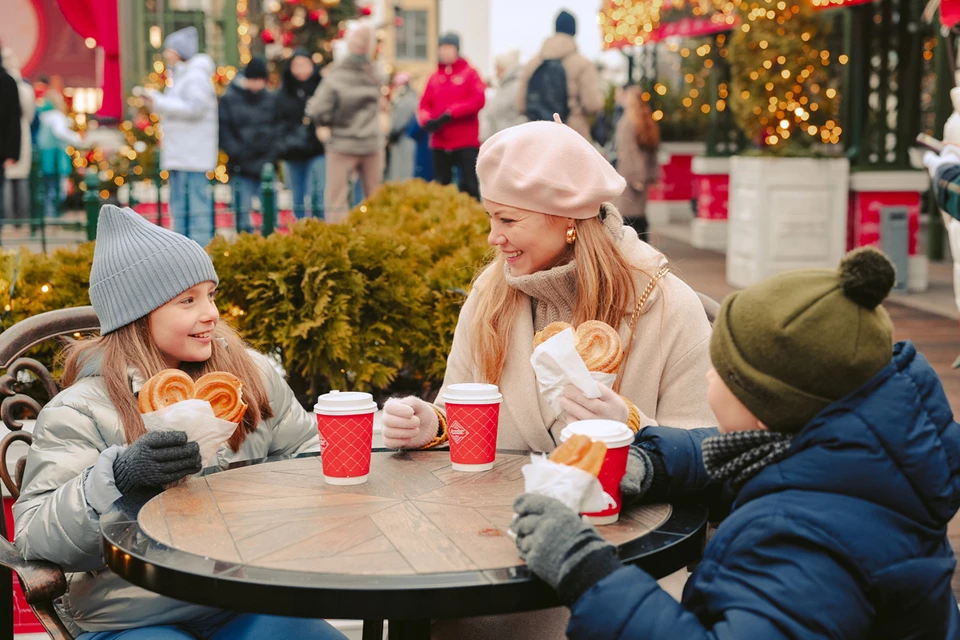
(55, 523)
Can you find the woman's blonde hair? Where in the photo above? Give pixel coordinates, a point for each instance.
(638, 111)
(605, 291)
(132, 346)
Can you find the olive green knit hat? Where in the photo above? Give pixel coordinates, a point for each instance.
(792, 345)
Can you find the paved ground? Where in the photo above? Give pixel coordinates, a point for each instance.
(936, 336)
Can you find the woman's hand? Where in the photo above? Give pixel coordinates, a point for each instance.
(409, 423)
(609, 406)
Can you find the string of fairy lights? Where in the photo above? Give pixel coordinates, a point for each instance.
(781, 73)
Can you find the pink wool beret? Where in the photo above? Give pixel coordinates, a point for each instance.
(546, 167)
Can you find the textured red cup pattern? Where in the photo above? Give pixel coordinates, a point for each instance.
(611, 474)
(472, 432)
(346, 443)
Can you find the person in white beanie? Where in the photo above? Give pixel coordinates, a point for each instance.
(188, 120)
(154, 293)
(348, 104)
(16, 194)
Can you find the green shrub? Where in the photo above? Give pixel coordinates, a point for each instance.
(368, 305)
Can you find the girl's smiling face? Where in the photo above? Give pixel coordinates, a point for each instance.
(529, 241)
(183, 328)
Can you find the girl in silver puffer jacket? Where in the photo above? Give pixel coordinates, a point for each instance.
(153, 291)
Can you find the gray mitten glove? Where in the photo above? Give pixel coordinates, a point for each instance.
(639, 476)
(156, 459)
(563, 550)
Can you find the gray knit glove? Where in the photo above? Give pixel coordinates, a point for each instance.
(563, 550)
(156, 459)
(639, 476)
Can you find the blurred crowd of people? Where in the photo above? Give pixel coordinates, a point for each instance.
(337, 132)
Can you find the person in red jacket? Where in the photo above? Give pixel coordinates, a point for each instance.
(449, 110)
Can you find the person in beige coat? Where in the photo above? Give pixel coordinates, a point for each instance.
(347, 110)
(563, 255)
(584, 93)
(637, 139)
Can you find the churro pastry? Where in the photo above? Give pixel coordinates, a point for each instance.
(224, 392)
(549, 331)
(581, 452)
(167, 387)
(599, 346)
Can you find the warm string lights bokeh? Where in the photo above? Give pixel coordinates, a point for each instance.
(783, 91)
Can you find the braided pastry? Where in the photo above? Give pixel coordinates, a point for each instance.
(167, 387)
(224, 392)
(599, 346)
(549, 331)
(581, 452)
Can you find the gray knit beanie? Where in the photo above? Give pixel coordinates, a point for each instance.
(185, 42)
(138, 267)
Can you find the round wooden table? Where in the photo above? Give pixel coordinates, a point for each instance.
(418, 541)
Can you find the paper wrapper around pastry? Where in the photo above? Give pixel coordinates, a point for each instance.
(556, 363)
(209, 419)
(574, 487)
(197, 420)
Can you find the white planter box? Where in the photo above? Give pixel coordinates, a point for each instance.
(785, 213)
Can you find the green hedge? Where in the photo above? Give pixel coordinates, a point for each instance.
(367, 305)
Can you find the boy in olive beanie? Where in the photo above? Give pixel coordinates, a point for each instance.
(836, 465)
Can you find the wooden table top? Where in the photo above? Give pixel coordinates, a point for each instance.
(415, 515)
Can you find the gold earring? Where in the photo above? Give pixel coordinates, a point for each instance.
(571, 235)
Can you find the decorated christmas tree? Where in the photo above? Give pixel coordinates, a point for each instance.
(310, 24)
(784, 83)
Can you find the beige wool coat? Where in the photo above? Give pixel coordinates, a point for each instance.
(666, 367)
(584, 93)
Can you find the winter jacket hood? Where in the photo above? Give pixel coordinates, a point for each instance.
(558, 46)
(188, 117)
(843, 538)
(892, 443)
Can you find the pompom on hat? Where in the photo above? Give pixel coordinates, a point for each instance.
(546, 167)
(792, 345)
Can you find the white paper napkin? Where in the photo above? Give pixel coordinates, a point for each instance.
(556, 364)
(574, 487)
(197, 419)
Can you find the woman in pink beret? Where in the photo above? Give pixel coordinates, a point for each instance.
(564, 254)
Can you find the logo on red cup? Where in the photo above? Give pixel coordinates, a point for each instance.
(473, 416)
(457, 432)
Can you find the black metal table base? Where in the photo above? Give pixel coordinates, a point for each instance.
(407, 630)
(373, 630)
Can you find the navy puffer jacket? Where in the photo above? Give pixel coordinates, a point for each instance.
(844, 538)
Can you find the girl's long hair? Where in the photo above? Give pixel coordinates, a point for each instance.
(605, 291)
(638, 111)
(111, 355)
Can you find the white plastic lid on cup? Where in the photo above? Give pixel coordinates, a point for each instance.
(345, 403)
(614, 434)
(472, 393)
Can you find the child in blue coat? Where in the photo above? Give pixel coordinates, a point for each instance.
(836, 463)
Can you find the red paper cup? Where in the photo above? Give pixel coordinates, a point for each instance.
(345, 421)
(473, 414)
(618, 437)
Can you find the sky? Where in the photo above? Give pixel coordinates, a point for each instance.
(524, 24)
